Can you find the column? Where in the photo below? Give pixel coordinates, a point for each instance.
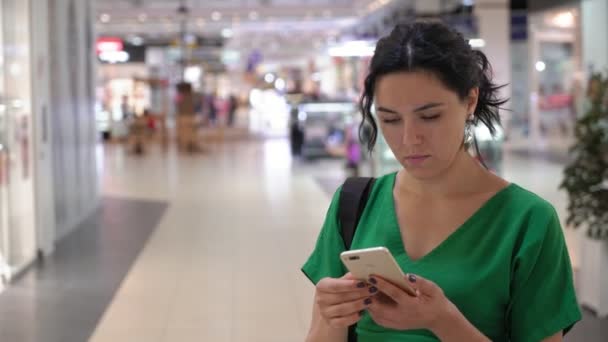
(494, 22)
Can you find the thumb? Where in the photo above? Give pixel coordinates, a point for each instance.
(349, 276)
(423, 285)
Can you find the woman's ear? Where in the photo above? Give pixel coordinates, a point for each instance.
(472, 100)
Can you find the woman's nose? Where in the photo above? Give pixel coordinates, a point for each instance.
(412, 133)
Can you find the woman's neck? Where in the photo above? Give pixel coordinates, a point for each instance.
(464, 176)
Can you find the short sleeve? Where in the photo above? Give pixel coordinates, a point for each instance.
(325, 258)
(543, 300)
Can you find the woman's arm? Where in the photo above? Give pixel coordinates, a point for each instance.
(454, 326)
(321, 331)
(555, 338)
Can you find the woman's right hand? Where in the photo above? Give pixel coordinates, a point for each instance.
(342, 301)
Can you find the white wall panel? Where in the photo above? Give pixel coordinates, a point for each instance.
(76, 187)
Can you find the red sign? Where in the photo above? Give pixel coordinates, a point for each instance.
(109, 44)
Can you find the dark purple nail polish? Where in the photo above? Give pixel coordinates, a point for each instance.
(373, 289)
(373, 281)
(412, 278)
(361, 285)
(367, 301)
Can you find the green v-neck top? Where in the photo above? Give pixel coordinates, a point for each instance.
(507, 268)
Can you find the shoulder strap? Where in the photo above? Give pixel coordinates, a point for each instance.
(353, 199)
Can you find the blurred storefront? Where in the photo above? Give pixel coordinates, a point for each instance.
(17, 215)
(556, 72)
(45, 137)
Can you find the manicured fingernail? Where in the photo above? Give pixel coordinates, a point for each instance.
(373, 289)
(361, 285)
(373, 280)
(367, 301)
(412, 278)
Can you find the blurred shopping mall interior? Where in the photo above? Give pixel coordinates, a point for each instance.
(166, 165)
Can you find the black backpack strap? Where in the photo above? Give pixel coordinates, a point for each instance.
(352, 333)
(353, 199)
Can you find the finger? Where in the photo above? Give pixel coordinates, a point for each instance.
(344, 322)
(347, 309)
(332, 285)
(423, 285)
(394, 292)
(343, 297)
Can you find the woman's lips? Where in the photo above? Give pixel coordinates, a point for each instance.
(416, 159)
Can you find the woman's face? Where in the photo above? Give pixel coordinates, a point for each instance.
(422, 121)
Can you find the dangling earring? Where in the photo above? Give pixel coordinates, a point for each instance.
(468, 132)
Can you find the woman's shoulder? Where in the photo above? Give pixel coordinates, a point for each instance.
(529, 216)
(385, 181)
(527, 201)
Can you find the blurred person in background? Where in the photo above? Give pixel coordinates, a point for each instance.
(353, 148)
(233, 105)
(211, 108)
(486, 257)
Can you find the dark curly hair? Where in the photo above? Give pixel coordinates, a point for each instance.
(436, 48)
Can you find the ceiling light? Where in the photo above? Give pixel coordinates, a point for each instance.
(279, 84)
(253, 15)
(216, 16)
(105, 18)
(137, 41)
(114, 56)
(477, 43)
(353, 49)
(564, 19)
(142, 17)
(541, 66)
(269, 78)
(227, 33)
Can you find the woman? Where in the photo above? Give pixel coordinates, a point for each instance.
(488, 258)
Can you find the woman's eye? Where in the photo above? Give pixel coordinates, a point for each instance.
(430, 117)
(391, 121)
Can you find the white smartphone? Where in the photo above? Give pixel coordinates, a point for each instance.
(362, 263)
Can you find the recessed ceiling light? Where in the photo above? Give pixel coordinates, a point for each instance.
(216, 16)
(105, 18)
(142, 17)
(540, 66)
(227, 33)
(253, 15)
(137, 41)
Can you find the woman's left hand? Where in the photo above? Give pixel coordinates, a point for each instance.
(394, 308)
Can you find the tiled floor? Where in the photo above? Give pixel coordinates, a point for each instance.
(63, 298)
(223, 262)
